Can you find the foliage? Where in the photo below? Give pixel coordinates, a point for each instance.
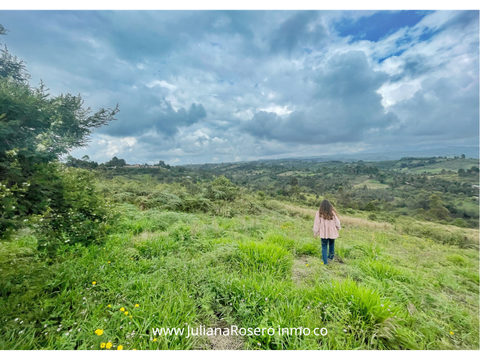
(388, 291)
(116, 162)
(221, 189)
(76, 213)
(36, 129)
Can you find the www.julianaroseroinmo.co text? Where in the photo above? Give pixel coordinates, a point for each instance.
(235, 330)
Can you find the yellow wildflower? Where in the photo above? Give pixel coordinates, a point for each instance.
(120, 347)
(109, 345)
(155, 339)
(136, 305)
(130, 316)
(307, 264)
(109, 262)
(102, 345)
(134, 349)
(99, 332)
(94, 282)
(126, 312)
(451, 332)
(122, 309)
(109, 306)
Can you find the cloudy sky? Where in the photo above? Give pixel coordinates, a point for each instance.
(217, 86)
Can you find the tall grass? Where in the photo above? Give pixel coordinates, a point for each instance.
(392, 289)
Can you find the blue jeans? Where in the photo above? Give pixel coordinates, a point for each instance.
(331, 244)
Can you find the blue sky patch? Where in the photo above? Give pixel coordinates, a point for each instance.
(379, 25)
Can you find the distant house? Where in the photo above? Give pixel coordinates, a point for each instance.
(142, 166)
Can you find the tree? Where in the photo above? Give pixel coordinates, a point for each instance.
(294, 181)
(10, 66)
(437, 209)
(36, 129)
(370, 207)
(162, 164)
(462, 156)
(116, 162)
(83, 163)
(221, 189)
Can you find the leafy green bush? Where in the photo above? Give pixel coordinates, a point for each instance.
(372, 216)
(76, 213)
(221, 189)
(196, 203)
(162, 200)
(460, 223)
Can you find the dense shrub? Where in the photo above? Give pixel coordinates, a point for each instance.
(76, 213)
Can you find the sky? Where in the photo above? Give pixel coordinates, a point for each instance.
(225, 86)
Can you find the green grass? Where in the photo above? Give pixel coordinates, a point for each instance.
(372, 184)
(390, 291)
(451, 164)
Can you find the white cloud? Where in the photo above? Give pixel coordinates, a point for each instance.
(161, 83)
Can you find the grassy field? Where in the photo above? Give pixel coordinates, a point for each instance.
(372, 184)
(385, 290)
(450, 164)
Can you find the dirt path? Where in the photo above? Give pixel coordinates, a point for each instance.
(302, 268)
(221, 342)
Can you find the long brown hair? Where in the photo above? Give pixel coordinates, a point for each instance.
(326, 210)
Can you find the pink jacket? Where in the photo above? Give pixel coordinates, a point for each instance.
(326, 229)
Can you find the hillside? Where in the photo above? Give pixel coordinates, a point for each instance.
(254, 264)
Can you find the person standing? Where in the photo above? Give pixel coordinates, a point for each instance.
(326, 226)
